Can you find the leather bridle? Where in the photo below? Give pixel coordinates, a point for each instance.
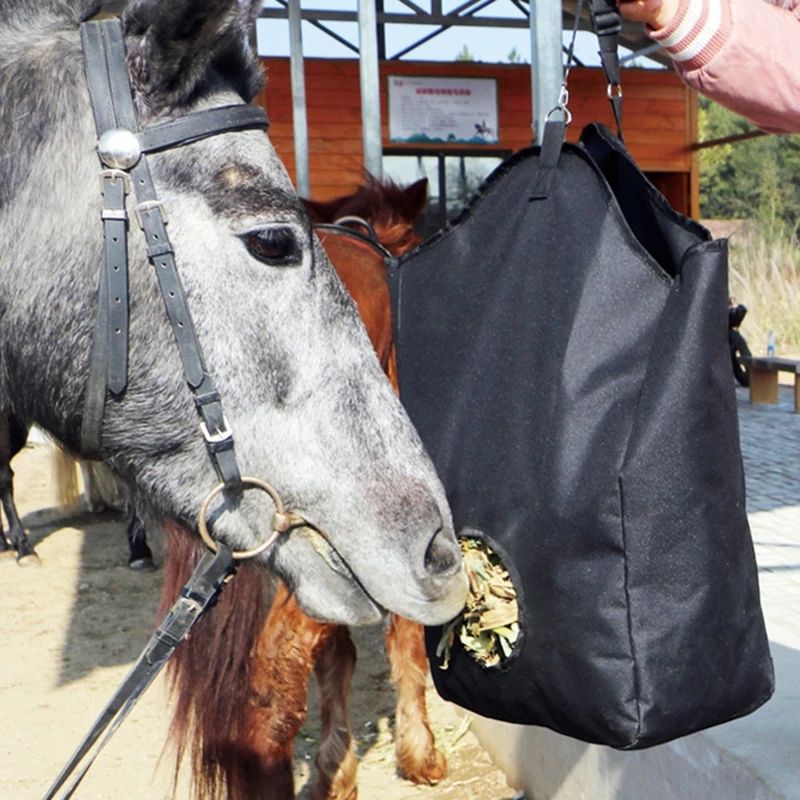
(344, 227)
(122, 148)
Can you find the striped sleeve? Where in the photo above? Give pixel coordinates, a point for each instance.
(743, 54)
(697, 33)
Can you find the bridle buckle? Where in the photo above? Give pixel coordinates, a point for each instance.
(114, 174)
(147, 205)
(218, 436)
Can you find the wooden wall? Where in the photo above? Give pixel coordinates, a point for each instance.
(659, 118)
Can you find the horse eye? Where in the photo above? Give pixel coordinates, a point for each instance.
(276, 246)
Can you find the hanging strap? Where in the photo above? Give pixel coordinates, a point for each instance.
(109, 353)
(555, 131)
(197, 596)
(607, 25)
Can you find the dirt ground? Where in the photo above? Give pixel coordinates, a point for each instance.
(73, 627)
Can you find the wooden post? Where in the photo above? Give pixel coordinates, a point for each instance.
(763, 385)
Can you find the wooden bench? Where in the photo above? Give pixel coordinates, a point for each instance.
(764, 379)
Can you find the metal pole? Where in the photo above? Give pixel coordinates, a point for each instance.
(370, 87)
(546, 64)
(299, 117)
(381, 32)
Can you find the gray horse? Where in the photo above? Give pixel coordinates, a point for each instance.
(310, 408)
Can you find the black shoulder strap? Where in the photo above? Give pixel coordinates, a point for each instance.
(607, 25)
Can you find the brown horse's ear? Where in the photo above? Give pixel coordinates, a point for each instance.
(416, 196)
(173, 47)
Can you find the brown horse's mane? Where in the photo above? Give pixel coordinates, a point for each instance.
(210, 672)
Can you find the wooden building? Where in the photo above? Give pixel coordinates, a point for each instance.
(660, 123)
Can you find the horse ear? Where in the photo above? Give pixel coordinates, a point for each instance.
(416, 196)
(173, 45)
(252, 11)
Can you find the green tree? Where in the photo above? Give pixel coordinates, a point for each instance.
(464, 54)
(751, 179)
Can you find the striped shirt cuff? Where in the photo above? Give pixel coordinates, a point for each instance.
(697, 32)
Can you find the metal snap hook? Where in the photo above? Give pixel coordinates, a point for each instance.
(561, 105)
(282, 520)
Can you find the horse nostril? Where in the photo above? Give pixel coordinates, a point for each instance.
(443, 555)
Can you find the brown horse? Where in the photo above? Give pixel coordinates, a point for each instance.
(249, 754)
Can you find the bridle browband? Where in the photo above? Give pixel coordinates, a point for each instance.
(122, 148)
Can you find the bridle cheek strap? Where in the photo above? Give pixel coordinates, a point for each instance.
(122, 149)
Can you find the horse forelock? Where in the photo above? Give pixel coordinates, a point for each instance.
(382, 201)
(390, 208)
(397, 237)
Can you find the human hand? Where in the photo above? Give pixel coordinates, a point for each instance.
(656, 13)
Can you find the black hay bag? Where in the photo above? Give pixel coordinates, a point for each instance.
(562, 350)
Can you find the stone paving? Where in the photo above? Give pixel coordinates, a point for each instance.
(767, 742)
(770, 437)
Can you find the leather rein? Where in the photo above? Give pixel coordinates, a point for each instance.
(122, 149)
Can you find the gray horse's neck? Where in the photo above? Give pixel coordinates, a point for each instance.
(44, 118)
(40, 69)
(18, 11)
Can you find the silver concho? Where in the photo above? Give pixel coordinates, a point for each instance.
(119, 148)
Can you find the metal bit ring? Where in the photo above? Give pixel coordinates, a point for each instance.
(281, 520)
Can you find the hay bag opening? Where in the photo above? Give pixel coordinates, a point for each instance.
(488, 627)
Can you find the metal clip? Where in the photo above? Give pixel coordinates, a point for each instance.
(219, 436)
(146, 205)
(561, 105)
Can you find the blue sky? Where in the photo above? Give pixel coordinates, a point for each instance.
(485, 44)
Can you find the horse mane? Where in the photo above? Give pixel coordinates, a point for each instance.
(18, 12)
(39, 70)
(390, 208)
(209, 673)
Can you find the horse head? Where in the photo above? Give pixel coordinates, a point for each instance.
(391, 209)
(304, 395)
